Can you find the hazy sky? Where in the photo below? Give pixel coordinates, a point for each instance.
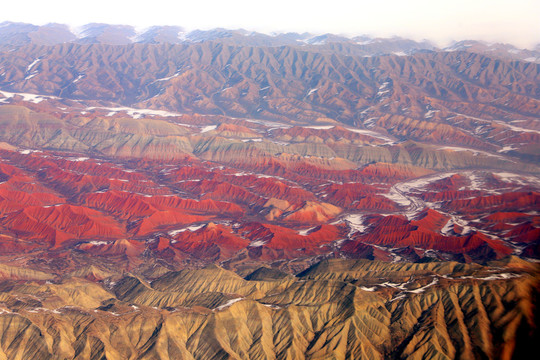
(514, 21)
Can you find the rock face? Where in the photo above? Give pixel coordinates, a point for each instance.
(216, 195)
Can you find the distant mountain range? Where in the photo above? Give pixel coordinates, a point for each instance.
(20, 34)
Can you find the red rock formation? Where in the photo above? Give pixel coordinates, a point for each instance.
(397, 232)
(313, 213)
(431, 220)
(224, 191)
(211, 242)
(278, 237)
(165, 220)
(513, 201)
(57, 224)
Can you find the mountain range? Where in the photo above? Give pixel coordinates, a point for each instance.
(228, 194)
(19, 34)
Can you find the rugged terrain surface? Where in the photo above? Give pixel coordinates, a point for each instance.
(232, 195)
(336, 309)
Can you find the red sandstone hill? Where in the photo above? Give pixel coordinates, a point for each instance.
(56, 224)
(397, 232)
(210, 242)
(509, 201)
(54, 201)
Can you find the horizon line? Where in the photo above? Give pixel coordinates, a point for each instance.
(141, 29)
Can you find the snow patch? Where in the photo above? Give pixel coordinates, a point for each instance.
(271, 306)
(356, 224)
(78, 159)
(33, 98)
(208, 128)
(136, 113)
(506, 149)
(78, 79)
(517, 128)
(397, 197)
(168, 77)
(474, 151)
(476, 182)
(395, 285)
(29, 67)
(502, 276)
(320, 127)
(31, 75)
(270, 124)
(420, 183)
(430, 113)
(191, 228)
(258, 243)
(372, 134)
(306, 231)
(518, 179)
(422, 289)
(97, 243)
(228, 304)
(367, 288)
(312, 91)
(448, 228)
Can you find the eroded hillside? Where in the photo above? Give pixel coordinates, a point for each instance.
(336, 309)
